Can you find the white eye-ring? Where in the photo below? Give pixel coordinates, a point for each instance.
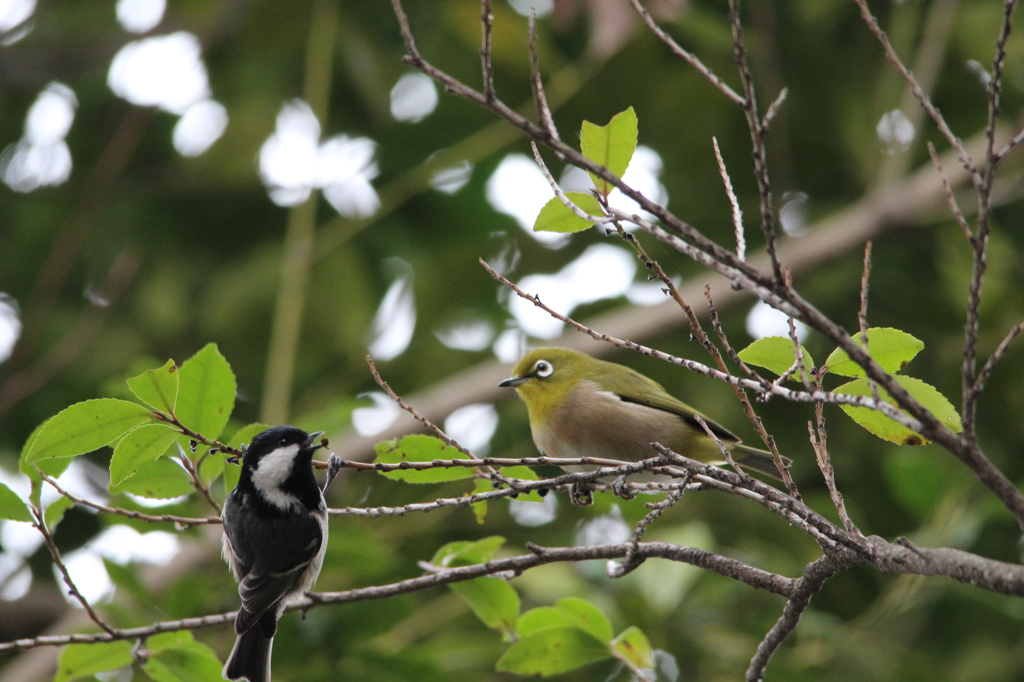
(543, 369)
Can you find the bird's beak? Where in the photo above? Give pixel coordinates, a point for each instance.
(311, 442)
(512, 382)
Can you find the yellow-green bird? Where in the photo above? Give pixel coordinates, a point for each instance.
(583, 407)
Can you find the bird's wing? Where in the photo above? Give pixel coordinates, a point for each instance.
(631, 385)
(277, 573)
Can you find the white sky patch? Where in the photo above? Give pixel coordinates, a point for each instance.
(602, 271)
(413, 98)
(15, 12)
(510, 345)
(153, 503)
(41, 157)
(895, 132)
(764, 320)
(139, 16)
(473, 426)
(369, 421)
(793, 214)
(395, 321)
(543, 7)
(163, 71)
(534, 513)
(15, 584)
(10, 326)
(199, 127)
(292, 163)
(979, 71)
(450, 180)
(518, 188)
(472, 335)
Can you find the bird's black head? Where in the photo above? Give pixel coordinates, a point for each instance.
(280, 437)
(277, 466)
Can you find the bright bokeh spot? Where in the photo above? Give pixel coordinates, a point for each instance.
(14, 13)
(473, 426)
(895, 132)
(10, 326)
(199, 127)
(369, 421)
(534, 513)
(602, 271)
(518, 188)
(395, 320)
(413, 98)
(543, 7)
(510, 345)
(472, 335)
(41, 157)
(450, 180)
(793, 214)
(292, 163)
(764, 320)
(139, 16)
(162, 71)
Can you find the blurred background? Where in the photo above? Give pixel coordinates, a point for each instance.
(270, 177)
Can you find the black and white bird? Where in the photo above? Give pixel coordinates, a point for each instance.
(275, 535)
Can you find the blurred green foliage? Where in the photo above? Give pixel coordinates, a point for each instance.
(204, 241)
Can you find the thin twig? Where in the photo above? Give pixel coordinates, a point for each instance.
(862, 313)
(182, 522)
(773, 109)
(40, 525)
(629, 562)
(197, 481)
(813, 579)
(737, 214)
(485, 49)
(996, 356)
(759, 152)
(686, 56)
(820, 445)
(954, 206)
(547, 121)
(919, 93)
(599, 220)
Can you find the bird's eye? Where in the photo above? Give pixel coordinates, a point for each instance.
(283, 441)
(543, 369)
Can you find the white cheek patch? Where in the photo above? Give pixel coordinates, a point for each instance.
(271, 473)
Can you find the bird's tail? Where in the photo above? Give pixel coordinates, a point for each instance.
(250, 657)
(758, 460)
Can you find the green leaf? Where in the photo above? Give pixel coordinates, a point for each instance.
(160, 480)
(188, 662)
(918, 482)
(633, 646)
(13, 507)
(141, 445)
(527, 474)
(467, 553)
(158, 388)
(611, 146)
(481, 485)
(582, 614)
(776, 354)
(494, 602)
(420, 448)
(206, 393)
(168, 640)
(884, 427)
(83, 660)
(551, 651)
(555, 216)
(50, 467)
(242, 436)
(892, 349)
(54, 514)
(85, 427)
(541, 617)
